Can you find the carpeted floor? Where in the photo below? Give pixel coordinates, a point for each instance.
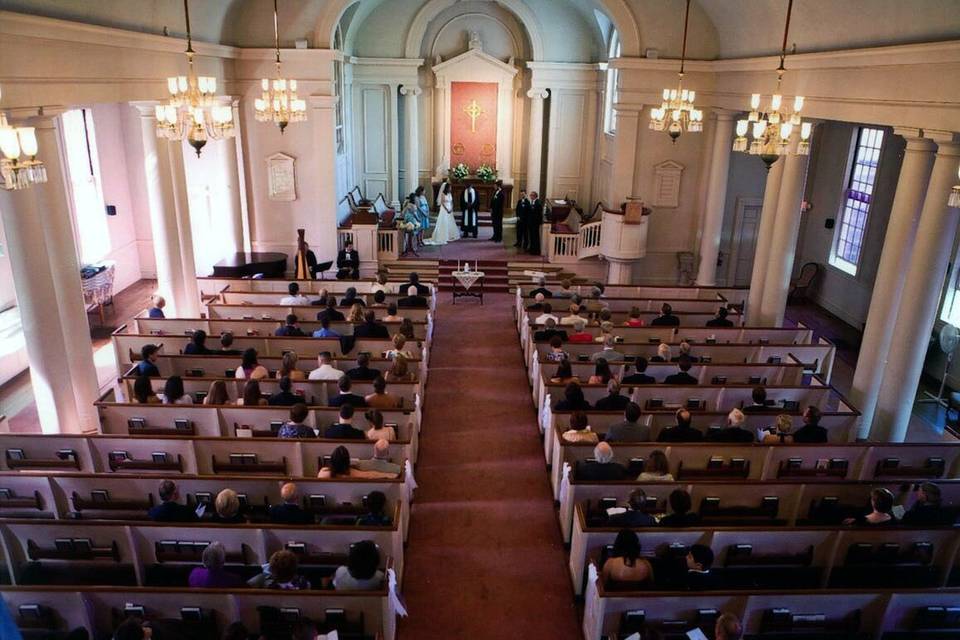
(485, 559)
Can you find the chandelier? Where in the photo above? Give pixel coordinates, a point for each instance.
(193, 110)
(771, 130)
(278, 103)
(19, 166)
(954, 199)
(677, 113)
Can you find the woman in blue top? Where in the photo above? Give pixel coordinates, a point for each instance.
(423, 209)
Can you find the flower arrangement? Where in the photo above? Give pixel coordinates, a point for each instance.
(408, 227)
(486, 173)
(460, 171)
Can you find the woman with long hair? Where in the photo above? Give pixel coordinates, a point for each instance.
(446, 229)
(625, 563)
(288, 367)
(423, 212)
(252, 397)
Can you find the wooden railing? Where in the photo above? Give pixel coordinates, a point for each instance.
(590, 239)
(388, 241)
(563, 247)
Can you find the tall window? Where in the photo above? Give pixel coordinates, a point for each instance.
(610, 91)
(848, 238)
(83, 167)
(338, 88)
(951, 302)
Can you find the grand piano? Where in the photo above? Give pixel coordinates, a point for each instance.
(247, 265)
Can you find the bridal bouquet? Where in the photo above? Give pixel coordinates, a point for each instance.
(460, 171)
(408, 227)
(486, 173)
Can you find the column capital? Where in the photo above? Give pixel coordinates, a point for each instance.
(939, 136)
(322, 102)
(948, 149)
(917, 143)
(628, 109)
(538, 93)
(410, 90)
(146, 108)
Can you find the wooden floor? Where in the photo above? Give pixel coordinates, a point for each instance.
(126, 305)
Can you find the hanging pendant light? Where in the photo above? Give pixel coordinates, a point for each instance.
(19, 167)
(278, 102)
(677, 112)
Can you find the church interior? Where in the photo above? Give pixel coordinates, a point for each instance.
(379, 319)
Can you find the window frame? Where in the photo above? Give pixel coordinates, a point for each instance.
(610, 88)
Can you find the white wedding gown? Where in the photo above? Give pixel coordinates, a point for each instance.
(446, 229)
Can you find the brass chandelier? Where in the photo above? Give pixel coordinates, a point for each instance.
(677, 112)
(278, 102)
(19, 166)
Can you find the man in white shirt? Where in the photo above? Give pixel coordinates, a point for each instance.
(573, 317)
(608, 353)
(381, 285)
(326, 370)
(294, 298)
(546, 315)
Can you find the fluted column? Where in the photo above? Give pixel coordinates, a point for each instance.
(439, 132)
(535, 140)
(936, 233)
(888, 286)
(761, 255)
(625, 148)
(236, 183)
(412, 135)
(716, 199)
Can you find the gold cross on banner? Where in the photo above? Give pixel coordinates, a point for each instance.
(473, 111)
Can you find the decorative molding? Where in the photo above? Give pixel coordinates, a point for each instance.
(281, 177)
(474, 54)
(666, 184)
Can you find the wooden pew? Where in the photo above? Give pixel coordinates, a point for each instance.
(257, 326)
(731, 295)
(210, 285)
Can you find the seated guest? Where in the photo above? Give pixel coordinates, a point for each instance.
(339, 466)
(656, 468)
(281, 574)
(325, 369)
(295, 427)
(720, 320)
(881, 511)
(325, 331)
(601, 372)
(547, 313)
(579, 430)
(602, 467)
(634, 516)
(609, 353)
(379, 299)
(293, 297)
(412, 300)
(143, 391)
(226, 345)
(250, 368)
(573, 316)
(699, 561)
(217, 394)
(406, 329)
(344, 429)
(566, 289)
(252, 396)
(537, 303)
(331, 312)
(392, 313)
(414, 281)
(284, 397)
(541, 289)
(399, 347)
(573, 399)
(197, 345)
(149, 354)
(664, 353)
(212, 575)
(613, 401)
(564, 373)
(683, 376)
(376, 515)
(728, 627)
(289, 510)
(380, 399)
(288, 367)
(291, 328)
(666, 317)
(759, 395)
(557, 354)
(348, 263)
(780, 432)
(381, 284)
(399, 371)
(629, 429)
(370, 327)
(594, 305)
(132, 628)
(927, 509)
(380, 462)
(355, 314)
(811, 431)
(362, 571)
(683, 431)
(580, 334)
(606, 329)
(173, 392)
(634, 319)
(734, 431)
(549, 331)
(227, 508)
(351, 298)
(625, 564)
(680, 511)
(363, 371)
(169, 510)
(156, 309)
(685, 353)
(640, 364)
(375, 429)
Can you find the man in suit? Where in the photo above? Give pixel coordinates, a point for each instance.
(680, 511)
(541, 289)
(639, 377)
(363, 371)
(284, 397)
(630, 429)
(602, 467)
(414, 281)
(370, 327)
(613, 401)
(226, 345)
(534, 222)
(683, 376)
(331, 312)
(683, 432)
(412, 300)
(344, 429)
(469, 206)
(289, 511)
(290, 329)
(634, 516)
(811, 431)
(169, 510)
(721, 319)
(348, 263)
(549, 331)
(523, 221)
(698, 576)
(345, 397)
(496, 212)
(734, 432)
(759, 405)
(666, 318)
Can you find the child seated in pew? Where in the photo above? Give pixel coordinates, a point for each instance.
(779, 433)
(625, 565)
(579, 430)
(212, 574)
(173, 392)
(280, 573)
(376, 515)
(362, 571)
(143, 391)
(557, 354)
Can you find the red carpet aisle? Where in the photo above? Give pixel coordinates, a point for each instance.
(485, 558)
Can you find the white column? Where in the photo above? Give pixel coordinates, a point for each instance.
(761, 255)
(439, 131)
(716, 199)
(535, 141)
(783, 246)
(61, 250)
(322, 231)
(936, 233)
(189, 306)
(888, 285)
(625, 147)
(394, 141)
(412, 134)
(237, 184)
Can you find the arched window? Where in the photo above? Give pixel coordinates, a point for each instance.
(610, 91)
(338, 89)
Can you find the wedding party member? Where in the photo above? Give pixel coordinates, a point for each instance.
(423, 212)
(496, 212)
(524, 212)
(446, 229)
(410, 224)
(348, 263)
(534, 222)
(469, 205)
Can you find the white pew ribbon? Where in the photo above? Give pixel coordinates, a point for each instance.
(395, 600)
(564, 484)
(410, 483)
(591, 605)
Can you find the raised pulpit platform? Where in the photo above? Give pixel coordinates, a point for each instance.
(247, 265)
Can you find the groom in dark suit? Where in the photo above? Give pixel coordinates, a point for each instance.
(496, 212)
(524, 211)
(469, 204)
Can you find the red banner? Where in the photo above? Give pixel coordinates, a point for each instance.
(473, 124)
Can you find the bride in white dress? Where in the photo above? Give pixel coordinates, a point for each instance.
(446, 229)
